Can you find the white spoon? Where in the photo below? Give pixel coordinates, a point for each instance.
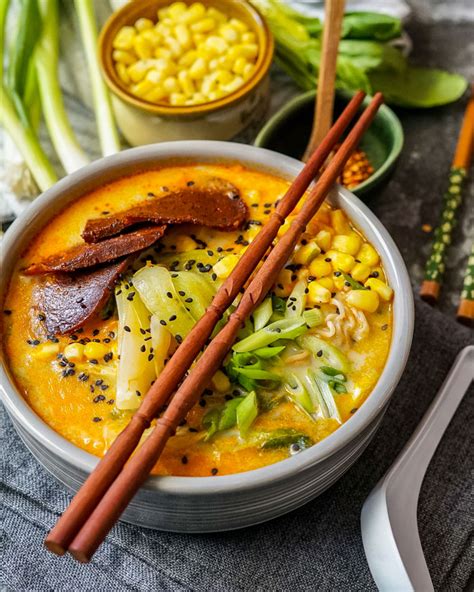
(389, 515)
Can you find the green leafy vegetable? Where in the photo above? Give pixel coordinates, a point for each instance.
(366, 60)
(284, 438)
(419, 87)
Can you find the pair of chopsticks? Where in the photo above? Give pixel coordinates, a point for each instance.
(118, 476)
(435, 266)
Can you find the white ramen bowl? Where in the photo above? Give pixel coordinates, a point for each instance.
(207, 504)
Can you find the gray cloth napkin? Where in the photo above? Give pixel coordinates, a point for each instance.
(317, 547)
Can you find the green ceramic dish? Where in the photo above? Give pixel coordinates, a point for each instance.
(289, 129)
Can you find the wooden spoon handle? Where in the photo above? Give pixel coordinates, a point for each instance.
(334, 12)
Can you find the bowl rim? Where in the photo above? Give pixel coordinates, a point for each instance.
(384, 112)
(263, 64)
(150, 156)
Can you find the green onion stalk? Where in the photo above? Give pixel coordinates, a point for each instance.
(14, 117)
(108, 135)
(62, 136)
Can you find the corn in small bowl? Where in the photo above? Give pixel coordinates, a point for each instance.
(186, 69)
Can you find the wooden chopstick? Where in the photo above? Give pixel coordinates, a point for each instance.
(122, 448)
(324, 103)
(434, 268)
(465, 313)
(139, 466)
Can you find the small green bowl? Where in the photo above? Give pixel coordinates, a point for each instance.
(289, 129)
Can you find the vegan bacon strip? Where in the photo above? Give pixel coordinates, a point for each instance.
(89, 255)
(68, 300)
(215, 204)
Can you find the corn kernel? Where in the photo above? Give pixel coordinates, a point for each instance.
(339, 222)
(360, 272)
(176, 9)
(284, 284)
(368, 255)
(323, 240)
(327, 282)
(247, 50)
(366, 300)
(46, 351)
(234, 85)
(122, 73)
(239, 65)
(205, 25)
(317, 294)
(224, 266)
(124, 57)
(229, 33)
(177, 99)
(183, 36)
(319, 267)
(198, 69)
(198, 98)
(74, 352)
(223, 76)
(152, 37)
(171, 85)
(248, 71)
(385, 292)
(195, 12)
(143, 48)
(142, 24)
(174, 46)
(225, 63)
(155, 95)
(216, 44)
(164, 66)
(239, 25)
(346, 243)
(186, 84)
(137, 71)
(249, 38)
(339, 281)
(94, 351)
(306, 253)
(340, 261)
(216, 14)
(124, 38)
(163, 52)
(185, 243)
(220, 382)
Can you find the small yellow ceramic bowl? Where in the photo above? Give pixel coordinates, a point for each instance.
(239, 113)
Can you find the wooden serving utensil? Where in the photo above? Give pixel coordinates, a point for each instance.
(137, 469)
(167, 382)
(324, 106)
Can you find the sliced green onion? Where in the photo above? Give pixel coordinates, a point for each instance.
(228, 417)
(247, 411)
(325, 352)
(65, 143)
(108, 136)
(313, 317)
(298, 394)
(296, 302)
(334, 372)
(283, 438)
(268, 352)
(261, 315)
(352, 282)
(257, 374)
(325, 397)
(284, 329)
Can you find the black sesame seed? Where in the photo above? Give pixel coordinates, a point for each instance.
(337, 273)
(182, 293)
(202, 403)
(150, 357)
(138, 393)
(353, 410)
(93, 361)
(178, 338)
(131, 296)
(384, 327)
(193, 430)
(190, 183)
(320, 353)
(214, 471)
(97, 419)
(99, 398)
(143, 348)
(328, 260)
(374, 274)
(169, 294)
(162, 322)
(172, 318)
(127, 329)
(41, 317)
(7, 311)
(184, 460)
(188, 300)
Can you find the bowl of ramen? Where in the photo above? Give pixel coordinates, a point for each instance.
(106, 273)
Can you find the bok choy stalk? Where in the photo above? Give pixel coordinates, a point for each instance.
(108, 135)
(136, 369)
(13, 114)
(65, 143)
